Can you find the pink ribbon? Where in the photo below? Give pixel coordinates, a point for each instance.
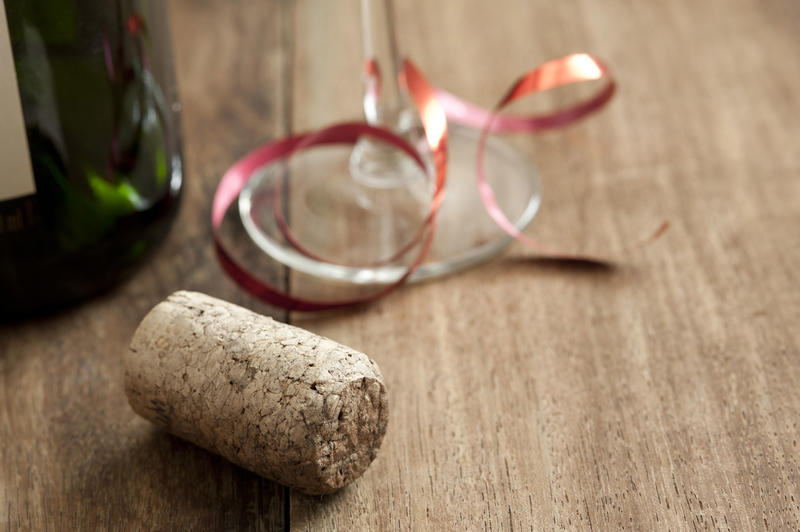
(435, 108)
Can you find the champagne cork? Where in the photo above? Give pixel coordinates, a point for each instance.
(280, 401)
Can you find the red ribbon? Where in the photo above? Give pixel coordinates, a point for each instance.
(435, 108)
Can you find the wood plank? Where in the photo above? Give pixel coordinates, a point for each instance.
(658, 395)
(74, 456)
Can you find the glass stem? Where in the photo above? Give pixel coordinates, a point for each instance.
(384, 100)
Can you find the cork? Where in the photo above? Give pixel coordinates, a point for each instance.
(280, 401)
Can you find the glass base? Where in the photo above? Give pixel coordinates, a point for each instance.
(360, 225)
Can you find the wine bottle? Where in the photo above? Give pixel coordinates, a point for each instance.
(90, 162)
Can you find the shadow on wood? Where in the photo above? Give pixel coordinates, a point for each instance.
(159, 478)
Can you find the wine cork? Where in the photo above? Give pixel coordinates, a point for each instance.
(280, 401)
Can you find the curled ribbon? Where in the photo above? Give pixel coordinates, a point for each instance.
(435, 108)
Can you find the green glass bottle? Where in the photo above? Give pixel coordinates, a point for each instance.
(90, 163)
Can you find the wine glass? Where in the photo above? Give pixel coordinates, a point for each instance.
(357, 220)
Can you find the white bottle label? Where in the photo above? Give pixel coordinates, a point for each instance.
(16, 172)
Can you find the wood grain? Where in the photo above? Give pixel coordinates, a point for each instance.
(659, 395)
(525, 394)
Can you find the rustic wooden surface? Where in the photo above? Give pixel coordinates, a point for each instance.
(525, 395)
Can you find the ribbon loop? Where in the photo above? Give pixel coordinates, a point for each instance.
(436, 107)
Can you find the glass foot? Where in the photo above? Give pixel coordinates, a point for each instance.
(360, 226)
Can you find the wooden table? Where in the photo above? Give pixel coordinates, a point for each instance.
(525, 394)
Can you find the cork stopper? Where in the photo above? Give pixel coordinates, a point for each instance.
(280, 401)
